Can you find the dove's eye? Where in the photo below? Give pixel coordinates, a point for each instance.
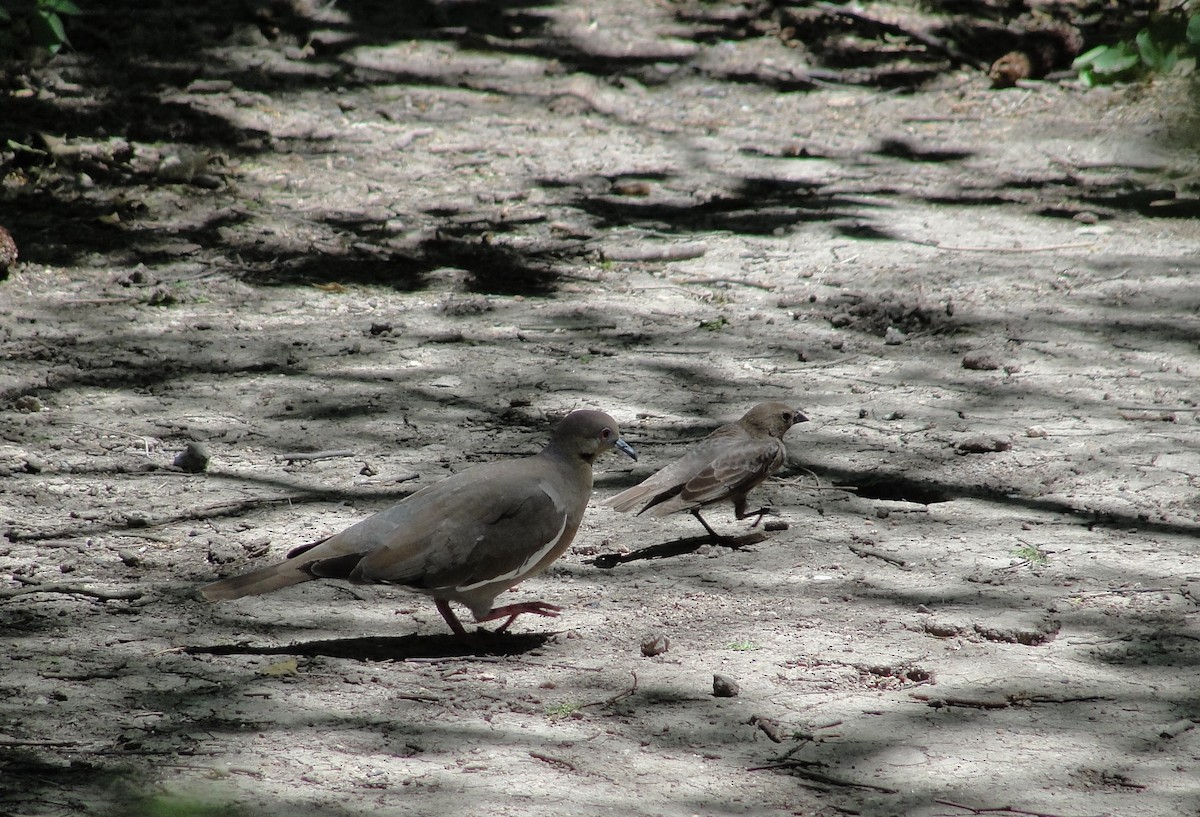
(606, 434)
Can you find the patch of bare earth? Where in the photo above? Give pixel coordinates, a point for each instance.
(415, 243)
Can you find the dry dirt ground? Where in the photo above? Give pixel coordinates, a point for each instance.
(331, 232)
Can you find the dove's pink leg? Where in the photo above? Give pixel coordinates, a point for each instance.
(443, 607)
(541, 608)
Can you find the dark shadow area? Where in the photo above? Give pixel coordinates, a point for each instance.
(900, 149)
(905, 487)
(666, 550)
(755, 206)
(482, 643)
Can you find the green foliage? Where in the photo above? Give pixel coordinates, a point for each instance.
(742, 646)
(1170, 43)
(179, 806)
(1031, 554)
(41, 25)
(562, 710)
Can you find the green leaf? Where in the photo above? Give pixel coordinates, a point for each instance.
(59, 6)
(1193, 29)
(5, 17)
(1088, 57)
(47, 30)
(1115, 59)
(1170, 58)
(1150, 51)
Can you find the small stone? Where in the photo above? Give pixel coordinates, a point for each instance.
(980, 361)
(193, 459)
(656, 644)
(1036, 431)
(8, 251)
(129, 558)
(725, 687)
(894, 337)
(28, 404)
(450, 336)
(984, 445)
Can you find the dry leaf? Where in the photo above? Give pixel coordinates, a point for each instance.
(280, 668)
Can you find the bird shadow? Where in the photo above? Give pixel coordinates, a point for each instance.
(482, 644)
(677, 547)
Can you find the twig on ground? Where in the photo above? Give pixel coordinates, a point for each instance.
(116, 431)
(996, 809)
(1176, 729)
(721, 279)
(768, 727)
(99, 301)
(1010, 700)
(655, 252)
(799, 767)
(944, 47)
(205, 512)
(557, 761)
(73, 590)
(1041, 248)
(619, 696)
(872, 553)
(310, 456)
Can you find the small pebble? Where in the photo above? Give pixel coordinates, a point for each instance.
(28, 404)
(725, 687)
(983, 445)
(980, 361)
(656, 644)
(193, 459)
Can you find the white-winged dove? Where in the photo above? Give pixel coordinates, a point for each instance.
(467, 538)
(726, 464)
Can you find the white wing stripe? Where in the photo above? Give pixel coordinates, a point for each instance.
(525, 566)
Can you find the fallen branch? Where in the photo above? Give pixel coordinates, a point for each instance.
(798, 766)
(312, 456)
(997, 809)
(1010, 700)
(656, 252)
(15, 742)
(619, 696)
(73, 590)
(944, 47)
(1176, 729)
(720, 279)
(145, 440)
(768, 727)
(219, 508)
(557, 761)
(1042, 248)
(872, 553)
